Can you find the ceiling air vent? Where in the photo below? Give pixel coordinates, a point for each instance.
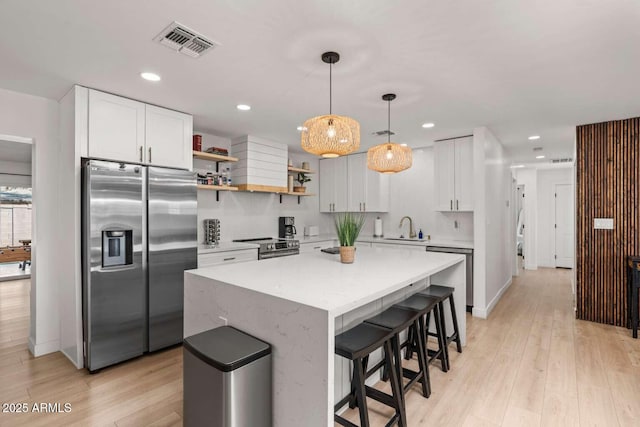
(537, 149)
(383, 133)
(184, 40)
(563, 160)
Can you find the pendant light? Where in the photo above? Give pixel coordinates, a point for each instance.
(330, 135)
(389, 157)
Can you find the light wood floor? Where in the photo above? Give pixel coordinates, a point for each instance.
(530, 363)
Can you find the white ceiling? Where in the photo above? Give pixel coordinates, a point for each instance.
(520, 68)
(11, 151)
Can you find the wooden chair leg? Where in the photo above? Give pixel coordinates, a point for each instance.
(454, 317)
(396, 386)
(358, 378)
(395, 344)
(441, 332)
(423, 360)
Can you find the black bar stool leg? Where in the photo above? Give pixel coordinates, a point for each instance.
(423, 360)
(443, 329)
(396, 386)
(358, 377)
(454, 317)
(441, 334)
(395, 344)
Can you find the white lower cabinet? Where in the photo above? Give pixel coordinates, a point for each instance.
(316, 246)
(227, 257)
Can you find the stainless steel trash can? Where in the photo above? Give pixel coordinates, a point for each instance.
(227, 380)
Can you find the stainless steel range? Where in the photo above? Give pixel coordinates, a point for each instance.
(272, 248)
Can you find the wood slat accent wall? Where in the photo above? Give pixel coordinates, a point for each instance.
(607, 186)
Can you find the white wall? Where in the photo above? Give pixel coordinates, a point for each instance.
(547, 180)
(492, 216)
(34, 117)
(412, 193)
(249, 215)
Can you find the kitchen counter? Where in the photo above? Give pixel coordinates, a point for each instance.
(443, 242)
(226, 247)
(318, 238)
(297, 304)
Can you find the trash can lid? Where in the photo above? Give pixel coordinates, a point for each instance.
(226, 348)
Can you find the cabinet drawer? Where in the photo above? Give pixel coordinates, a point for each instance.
(230, 257)
(315, 246)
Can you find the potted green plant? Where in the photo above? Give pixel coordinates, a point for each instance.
(302, 178)
(348, 226)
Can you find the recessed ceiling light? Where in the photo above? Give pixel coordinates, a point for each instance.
(152, 77)
(517, 166)
(539, 157)
(243, 107)
(301, 128)
(534, 137)
(427, 125)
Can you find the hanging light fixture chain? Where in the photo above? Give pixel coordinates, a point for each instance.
(389, 121)
(330, 85)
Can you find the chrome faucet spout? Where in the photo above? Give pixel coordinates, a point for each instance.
(412, 231)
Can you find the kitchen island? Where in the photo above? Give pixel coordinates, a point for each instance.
(298, 304)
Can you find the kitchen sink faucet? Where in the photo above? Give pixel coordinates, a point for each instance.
(412, 232)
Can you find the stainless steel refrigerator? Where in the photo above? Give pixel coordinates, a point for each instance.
(138, 237)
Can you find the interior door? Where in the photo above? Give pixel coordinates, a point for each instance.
(172, 211)
(564, 225)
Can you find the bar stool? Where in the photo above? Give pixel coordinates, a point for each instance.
(424, 306)
(442, 293)
(356, 345)
(397, 320)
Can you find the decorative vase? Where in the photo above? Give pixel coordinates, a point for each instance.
(290, 184)
(299, 189)
(305, 165)
(347, 254)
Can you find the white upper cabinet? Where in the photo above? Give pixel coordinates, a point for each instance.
(124, 130)
(116, 127)
(453, 168)
(347, 185)
(168, 138)
(333, 185)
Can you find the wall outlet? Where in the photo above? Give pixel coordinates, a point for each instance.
(603, 223)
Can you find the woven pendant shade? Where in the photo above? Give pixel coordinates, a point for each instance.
(389, 158)
(330, 135)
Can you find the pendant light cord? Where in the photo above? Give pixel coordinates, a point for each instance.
(389, 121)
(330, 85)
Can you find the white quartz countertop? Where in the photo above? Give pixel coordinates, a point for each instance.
(315, 239)
(320, 280)
(442, 242)
(226, 247)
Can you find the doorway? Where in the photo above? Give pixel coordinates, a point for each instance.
(15, 210)
(564, 253)
(519, 209)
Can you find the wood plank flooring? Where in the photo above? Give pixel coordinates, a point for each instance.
(530, 363)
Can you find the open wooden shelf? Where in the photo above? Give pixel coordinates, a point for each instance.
(297, 194)
(292, 169)
(213, 157)
(217, 187)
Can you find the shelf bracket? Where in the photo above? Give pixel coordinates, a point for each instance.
(280, 198)
(217, 196)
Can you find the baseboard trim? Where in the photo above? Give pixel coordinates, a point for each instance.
(38, 350)
(484, 313)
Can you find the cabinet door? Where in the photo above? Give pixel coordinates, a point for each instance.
(340, 184)
(464, 174)
(444, 159)
(168, 138)
(116, 128)
(227, 257)
(356, 178)
(377, 191)
(326, 179)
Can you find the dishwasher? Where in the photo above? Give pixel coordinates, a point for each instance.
(468, 253)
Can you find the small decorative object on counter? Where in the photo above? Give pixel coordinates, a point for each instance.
(348, 226)
(197, 142)
(305, 165)
(211, 231)
(420, 234)
(302, 178)
(228, 177)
